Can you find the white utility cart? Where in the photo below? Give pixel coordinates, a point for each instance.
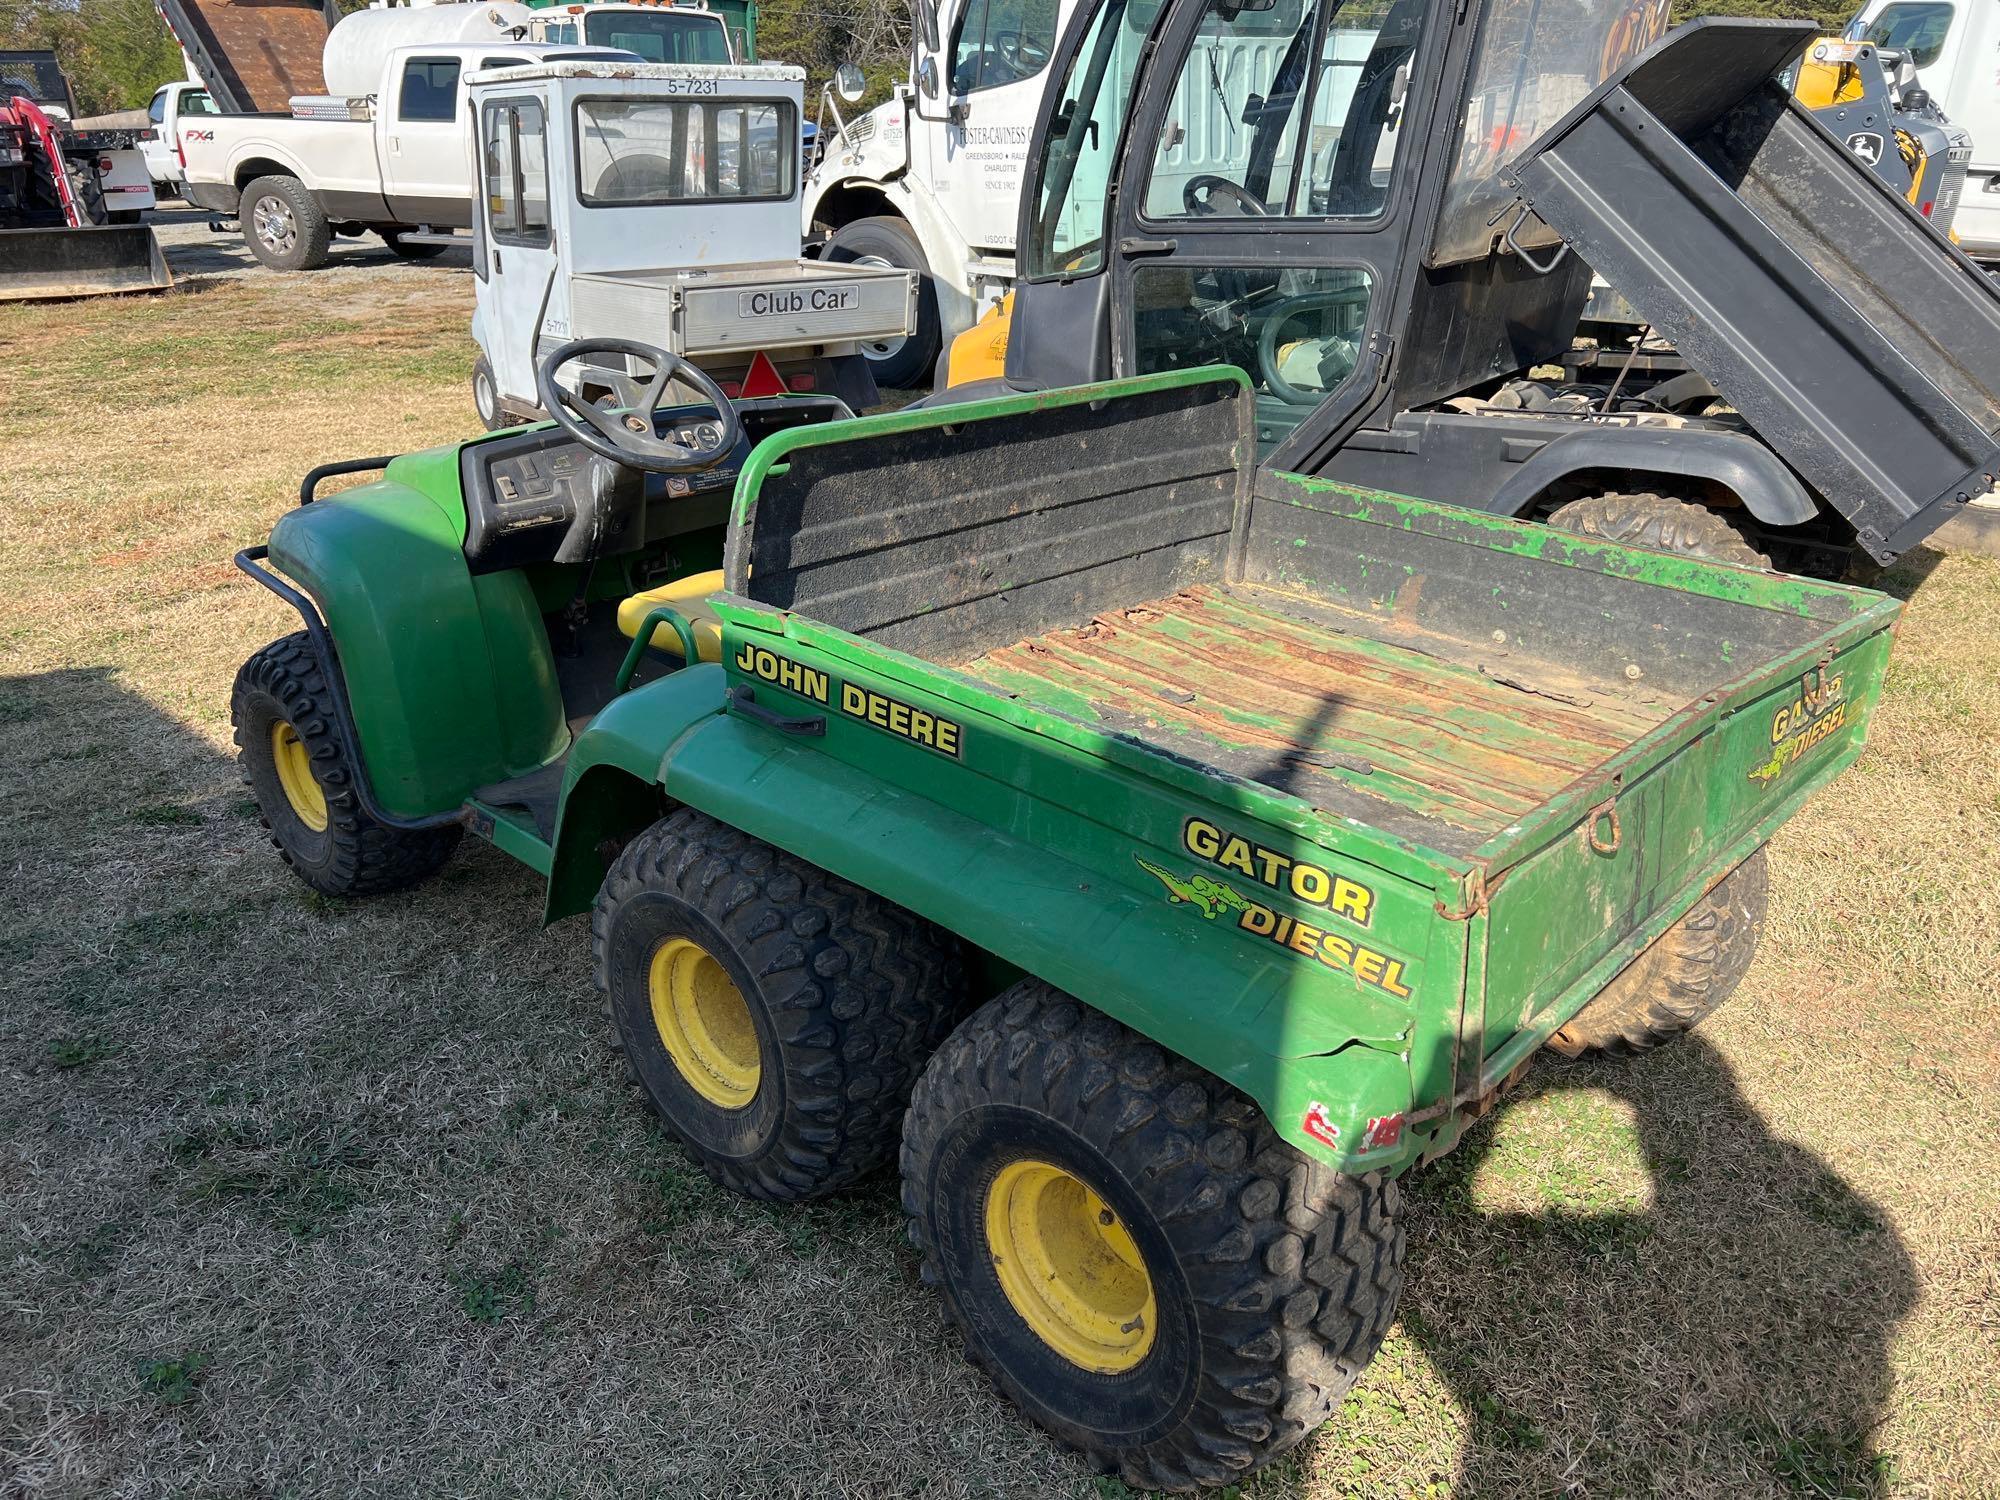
(659, 202)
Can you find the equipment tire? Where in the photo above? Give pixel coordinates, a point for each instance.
(486, 396)
(1272, 1278)
(888, 241)
(1659, 523)
(404, 249)
(288, 203)
(288, 749)
(775, 1015)
(1682, 976)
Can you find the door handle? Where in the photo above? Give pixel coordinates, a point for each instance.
(1135, 246)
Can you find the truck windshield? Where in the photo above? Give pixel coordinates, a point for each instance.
(34, 76)
(1536, 59)
(634, 153)
(657, 36)
(1918, 29)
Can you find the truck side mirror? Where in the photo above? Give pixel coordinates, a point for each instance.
(927, 76)
(849, 83)
(927, 25)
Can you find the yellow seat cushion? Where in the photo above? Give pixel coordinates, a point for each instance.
(689, 595)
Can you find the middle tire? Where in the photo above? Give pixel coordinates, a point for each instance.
(897, 364)
(775, 1014)
(1129, 1249)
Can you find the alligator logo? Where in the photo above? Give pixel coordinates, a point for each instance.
(1772, 768)
(1211, 896)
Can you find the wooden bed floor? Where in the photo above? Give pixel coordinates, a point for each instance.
(1420, 738)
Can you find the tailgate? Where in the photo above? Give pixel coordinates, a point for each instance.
(1624, 855)
(742, 309)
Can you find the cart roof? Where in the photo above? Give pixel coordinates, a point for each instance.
(640, 71)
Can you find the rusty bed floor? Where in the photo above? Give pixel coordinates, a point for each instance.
(1443, 741)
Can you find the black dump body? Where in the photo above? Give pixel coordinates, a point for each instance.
(1860, 343)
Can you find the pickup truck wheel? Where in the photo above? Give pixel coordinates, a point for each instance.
(1129, 1249)
(775, 1014)
(303, 781)
(283, 224)
(898, 364)
(1659, 523)
(1688, 971)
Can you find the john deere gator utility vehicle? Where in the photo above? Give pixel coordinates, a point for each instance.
(1161, 853)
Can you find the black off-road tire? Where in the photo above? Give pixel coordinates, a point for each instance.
(353, 855)
(312, 233)
(849, 995)
(888, 241)
(1659, 523)
(1275, 1277)
(1685, 973)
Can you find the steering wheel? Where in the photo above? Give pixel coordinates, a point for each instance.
(1024, 56)
(1274, 323)
(1199, 207)
(627, 437)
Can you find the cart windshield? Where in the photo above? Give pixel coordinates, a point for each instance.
(658, 36)
(1536, 60)
(649, 152)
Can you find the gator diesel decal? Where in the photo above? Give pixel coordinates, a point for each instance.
(878, 710)
(1211, 898)
(918, 726)
(1313, 884)
(1815, 715)
(807, 682)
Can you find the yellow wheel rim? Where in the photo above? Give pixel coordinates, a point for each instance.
(295, 777)
(1069, 1267)
(704, 1023)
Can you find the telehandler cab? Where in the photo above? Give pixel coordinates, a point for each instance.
(1163, 854)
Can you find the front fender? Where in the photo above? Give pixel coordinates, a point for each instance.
(1769, 490)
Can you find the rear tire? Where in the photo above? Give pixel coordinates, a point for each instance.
(296, 767)
(888, 241)
(283, 224)
(1269, 1279)
(776, 1015)
(404, 249)
(1658, 523)
(486, 396)
(1681, 978)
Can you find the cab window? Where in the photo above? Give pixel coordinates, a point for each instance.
(197, 102)
(516, 168)
(1000, 42)
(430, 89)
(1067, 236)
(1297, 119)
(661, 37)
(157, 110)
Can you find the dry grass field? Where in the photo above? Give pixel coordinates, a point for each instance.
(305, 1198)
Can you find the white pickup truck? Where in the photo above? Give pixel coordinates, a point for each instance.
(394, 160)
(171, 103)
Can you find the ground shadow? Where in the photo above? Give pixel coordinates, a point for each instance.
(1731, 1338)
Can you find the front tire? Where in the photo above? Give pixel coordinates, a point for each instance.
(1684, 974)
(303, 781)
(1131, 1252)
(283, 224)
(897, 364)
(775, 1014)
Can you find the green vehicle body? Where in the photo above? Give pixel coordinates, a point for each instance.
(1365, 986)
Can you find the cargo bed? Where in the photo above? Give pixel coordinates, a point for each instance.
(1353, 713)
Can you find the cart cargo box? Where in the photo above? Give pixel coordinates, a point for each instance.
(747, 307)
